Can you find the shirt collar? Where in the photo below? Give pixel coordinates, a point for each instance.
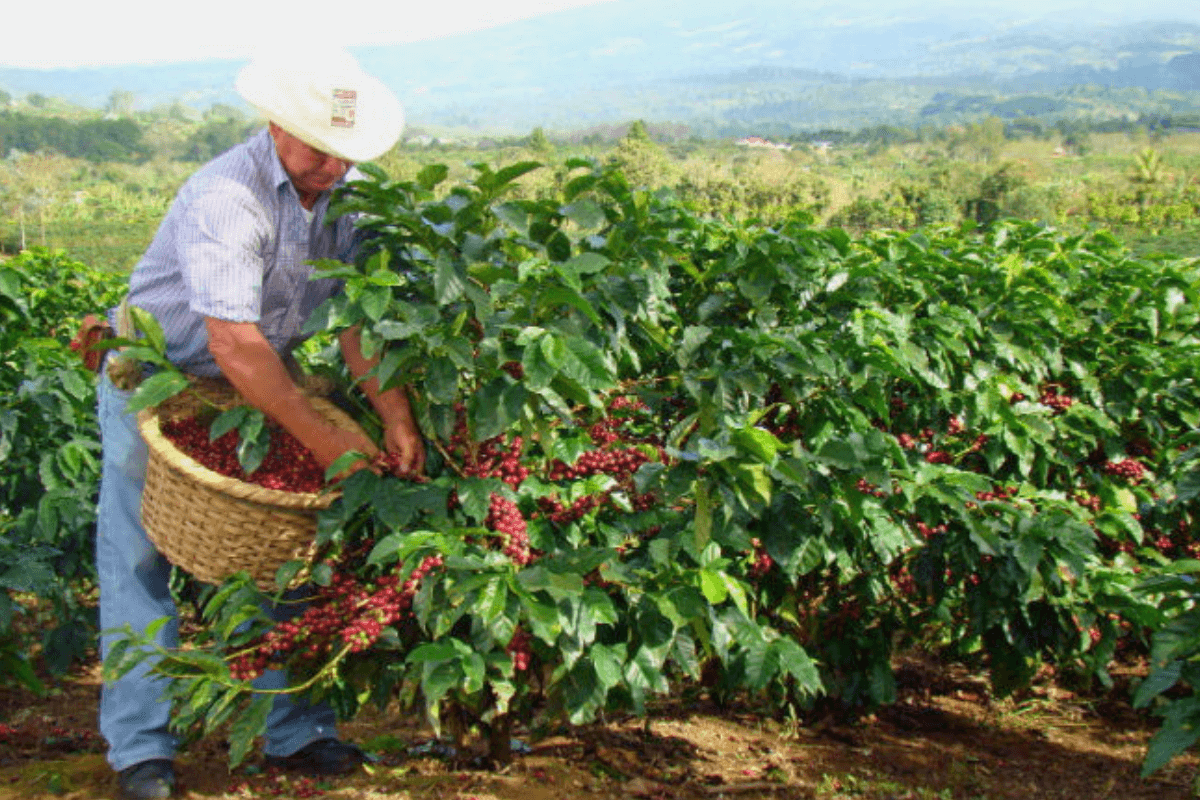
(263, 147)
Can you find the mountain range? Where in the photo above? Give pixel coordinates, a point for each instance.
(728, 66)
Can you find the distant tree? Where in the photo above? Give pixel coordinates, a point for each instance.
(178, 112)
(538, 142)
(1148, 168)
(867, 213)
(215, 137)
(223, 112)
(1078, 142)
(95, 140)
(5, 98)
(987, 206)
(1147, 174)
(881, 136)
(1076, 136)
(1026, 127)
(985, 138)
(33, 183)
(12, 197)
(638, 132)
(120, 103)
(930, 203)
(37, 100)
(110, 140)
(644, 162)
(930, 133)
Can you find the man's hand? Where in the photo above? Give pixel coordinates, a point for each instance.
(402, 437)
(257, 372)
(340, 441)
(406, 448)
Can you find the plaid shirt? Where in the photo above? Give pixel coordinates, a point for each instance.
(233, 246)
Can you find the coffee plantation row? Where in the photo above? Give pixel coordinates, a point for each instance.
(670, 450)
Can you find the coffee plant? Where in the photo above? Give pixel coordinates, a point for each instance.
(669, 450)
(50, 452)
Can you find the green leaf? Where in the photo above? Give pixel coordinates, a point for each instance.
(757, 664)
(758, 442)
(608, 661)
(439, 678)
(254, 441)
(537, 578)
(145, 322)
(544, 622)
(322, 574)
(448, 281)
(441, 380)
(654, 627)
(14, 665)
(1180, 731)
(10, 288)
(507, 175)
(583, 693)
(644, 672)
(1158, 681)
(497, 406)
(27, 575)
(155, 389)
(579, 360)
(433, 174)
(226, 421)
(249, 725)
(513, 215)
(703, 519)
(435, 652)
(843, 453)
(287, 571)
(755, 482)
(570, 295)
(492, 600)
(713, 587)
(586, 263)
(474, 670)
(375, 301)
(796, 662)
(344, 462)
(600, 606)
(1188, 486)
(585, 213)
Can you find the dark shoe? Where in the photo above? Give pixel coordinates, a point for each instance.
(149, 780)
(322, 757)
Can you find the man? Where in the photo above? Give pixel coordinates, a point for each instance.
(226, 279)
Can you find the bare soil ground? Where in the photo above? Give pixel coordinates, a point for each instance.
(946, 740)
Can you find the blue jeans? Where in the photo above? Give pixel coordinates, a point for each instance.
(134, 589)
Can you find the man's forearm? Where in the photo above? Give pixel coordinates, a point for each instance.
(392, 404)
(258, 374)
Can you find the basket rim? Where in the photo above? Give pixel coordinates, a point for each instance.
(148, 425)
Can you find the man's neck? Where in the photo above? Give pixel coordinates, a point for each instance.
(307, 201)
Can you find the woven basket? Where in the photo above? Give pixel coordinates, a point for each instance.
(212, 525)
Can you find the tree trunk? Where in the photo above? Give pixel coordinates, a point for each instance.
(500, 740)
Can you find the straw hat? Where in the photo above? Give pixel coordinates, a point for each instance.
(326, 101)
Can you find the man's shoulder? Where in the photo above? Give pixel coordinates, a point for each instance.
(244, 168)
(251, 154)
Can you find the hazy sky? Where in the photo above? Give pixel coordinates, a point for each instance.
(72, 33)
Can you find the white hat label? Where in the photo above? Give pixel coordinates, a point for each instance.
(345, 103)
